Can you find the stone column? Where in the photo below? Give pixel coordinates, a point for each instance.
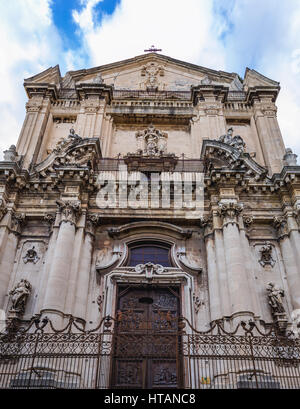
(57, 286)
(294, 225)
(10, 238)
(289, 259)
(239, 291)
(213, 278)
(53, 221)
(83, 278)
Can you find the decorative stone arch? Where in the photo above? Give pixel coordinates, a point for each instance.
(182, 274)
(221, 155)
(80, 153)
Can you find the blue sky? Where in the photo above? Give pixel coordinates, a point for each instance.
(229, 35)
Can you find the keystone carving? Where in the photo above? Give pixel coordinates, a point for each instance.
(266, 255)
(19, 296)
(149, 269)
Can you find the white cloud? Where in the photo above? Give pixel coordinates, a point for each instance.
(267, 33)
(29, 43)
(260, 34)
(184, 31)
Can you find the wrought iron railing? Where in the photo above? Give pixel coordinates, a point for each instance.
(165, 354)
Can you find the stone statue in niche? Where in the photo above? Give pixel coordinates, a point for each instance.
(234, 141)
(19, 296)
(31, 256)
(275, 295)
(266, 255)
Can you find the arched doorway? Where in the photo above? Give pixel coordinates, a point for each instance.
(146, 337)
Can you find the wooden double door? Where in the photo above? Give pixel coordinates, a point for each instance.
(146, 340)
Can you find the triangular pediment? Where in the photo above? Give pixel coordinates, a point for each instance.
(154, 70)
(255, 79)
(50, 76)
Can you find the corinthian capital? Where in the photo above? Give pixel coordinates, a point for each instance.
(70, 210)
(229, 210)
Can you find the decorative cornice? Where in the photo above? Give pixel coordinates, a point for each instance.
(86, 91)
(199, 92)
(42, 90)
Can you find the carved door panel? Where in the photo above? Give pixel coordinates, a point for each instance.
(146, 340)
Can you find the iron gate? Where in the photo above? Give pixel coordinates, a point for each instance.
(40, 356)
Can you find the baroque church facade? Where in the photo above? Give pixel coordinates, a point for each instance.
(150, 257)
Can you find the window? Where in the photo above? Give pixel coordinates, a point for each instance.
(154, 253)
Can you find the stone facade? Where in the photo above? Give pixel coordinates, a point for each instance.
(150, 113)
